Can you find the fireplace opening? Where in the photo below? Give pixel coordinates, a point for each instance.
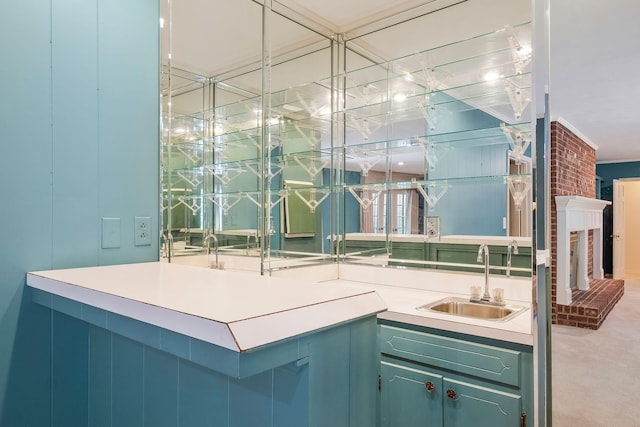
(574, 259)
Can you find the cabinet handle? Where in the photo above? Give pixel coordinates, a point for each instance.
(429, 386)
(451, 394)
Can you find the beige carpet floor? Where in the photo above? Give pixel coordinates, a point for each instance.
(596, 374)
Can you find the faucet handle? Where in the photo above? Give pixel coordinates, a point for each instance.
(475, 292)
(498, 295)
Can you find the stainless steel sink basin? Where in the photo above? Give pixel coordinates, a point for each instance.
(466, 308)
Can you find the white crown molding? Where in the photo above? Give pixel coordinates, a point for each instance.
(576, 132)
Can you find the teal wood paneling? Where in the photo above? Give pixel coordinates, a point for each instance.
(99, 377)
(66, 306)
(160, 389)
(74, 75)
(175, 343)
(250, 401)
(51, 145)
(69, 364)
(142, 332)
(203, 398)
(127, 382)
(291, 395)
(128, 121)
(95, 316)
(324, 378)
(25, 355)
(363, 367)
(25, 215)
(328, 372)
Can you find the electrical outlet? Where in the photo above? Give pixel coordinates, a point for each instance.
(142, 231)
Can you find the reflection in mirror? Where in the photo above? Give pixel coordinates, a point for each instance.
(411, 151)
(211, 100)
(437, 147)
(298, 154)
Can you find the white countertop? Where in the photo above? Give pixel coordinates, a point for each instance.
(404, 290)
(403, 306)
(235, 310)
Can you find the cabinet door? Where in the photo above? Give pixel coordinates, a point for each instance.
(410, 397)
(471, 405)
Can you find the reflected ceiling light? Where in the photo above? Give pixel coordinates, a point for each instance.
(325, 110)
(161, 22)
(400, 163)
(273, 121)
(399, 97)
(491, 76)
(524, 51)
(408, 77)
(217, 130)
(180, 131)
(291, 108)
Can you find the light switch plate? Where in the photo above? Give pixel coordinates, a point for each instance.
(110, 233)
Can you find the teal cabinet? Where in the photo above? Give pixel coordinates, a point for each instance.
(433, 378)
(467, 404)
(365, 247)
(410, 397)
(410, 251)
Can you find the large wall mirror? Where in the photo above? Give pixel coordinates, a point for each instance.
(437, 147)
(285, 144)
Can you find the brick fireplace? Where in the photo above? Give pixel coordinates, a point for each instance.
(573, 172)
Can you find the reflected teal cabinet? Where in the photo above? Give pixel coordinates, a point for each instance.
(432, 378)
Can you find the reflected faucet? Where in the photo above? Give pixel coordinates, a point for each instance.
(205, 244)
(169, 246)
(484, 251)
(511, 249)
(255, 237)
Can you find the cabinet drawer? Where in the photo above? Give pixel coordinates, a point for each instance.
(471, 405)
(483, 361)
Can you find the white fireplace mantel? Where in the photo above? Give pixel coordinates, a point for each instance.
(577, 214)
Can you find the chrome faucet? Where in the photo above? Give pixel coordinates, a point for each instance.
(484, 251)
(205, 243)
(511, 249)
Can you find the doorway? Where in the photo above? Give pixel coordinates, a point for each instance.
(626, 229)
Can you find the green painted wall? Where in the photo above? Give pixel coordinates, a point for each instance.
(610, 171)
(79, 140)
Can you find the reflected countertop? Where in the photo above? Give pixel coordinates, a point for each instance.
(457, 239)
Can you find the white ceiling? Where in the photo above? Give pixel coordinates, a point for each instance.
(594, 53)
(594, 84)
